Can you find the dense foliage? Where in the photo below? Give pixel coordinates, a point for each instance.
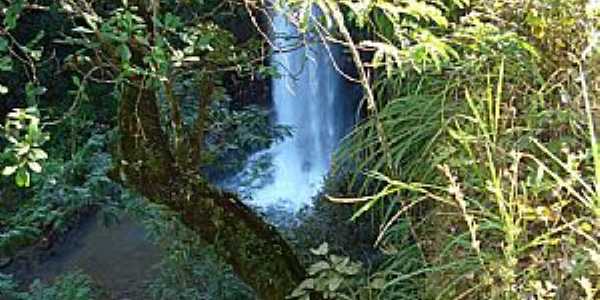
(74, 286)
(477, 154)
(60, 99)
(486, 156)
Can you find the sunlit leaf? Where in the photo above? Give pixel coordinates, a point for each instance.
(318, 267)
(323, 249)
(38, 154)
(35, 166)
(334, 283)
(22, 179)
(9, 170)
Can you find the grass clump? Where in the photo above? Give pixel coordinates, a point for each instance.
(495, 171)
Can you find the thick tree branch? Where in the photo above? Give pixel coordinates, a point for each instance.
(151, 166)
(255, 250)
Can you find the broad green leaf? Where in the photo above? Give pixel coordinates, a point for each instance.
(377, 283)
(322, 250)
(339, 260)
(23, 179)
(307, 284)
(334, 283)
(303, 288)
(318, 267)
(38, 154)
(298, 292)
(23, 149)
(35, 166)
(348, 268)
(9, 170)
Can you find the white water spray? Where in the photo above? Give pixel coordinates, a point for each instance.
(312, 98)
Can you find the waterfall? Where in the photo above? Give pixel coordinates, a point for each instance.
(314, 99)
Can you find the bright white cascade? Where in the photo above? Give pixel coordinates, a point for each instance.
(313, 98)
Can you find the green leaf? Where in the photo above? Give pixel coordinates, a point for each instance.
(3, 44)
(204, 43)
(3, 90)
(322, 250)
(23, 149)
(23, 179)
(5, 64)
(352, 269)
(124, 53)
(303, 288)
(307, 284)
(9, 170)
(334, 283)
(339, 260)
(38, 154)
(12, 14)
(35, 166)
(318, 267)
(172, 21)
(32, 91)
(377, 283)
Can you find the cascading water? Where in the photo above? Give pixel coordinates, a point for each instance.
(314, 99)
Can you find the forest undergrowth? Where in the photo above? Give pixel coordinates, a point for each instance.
(481, 159)
(477, 156)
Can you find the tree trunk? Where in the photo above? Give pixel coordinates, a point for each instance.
(255, 250)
